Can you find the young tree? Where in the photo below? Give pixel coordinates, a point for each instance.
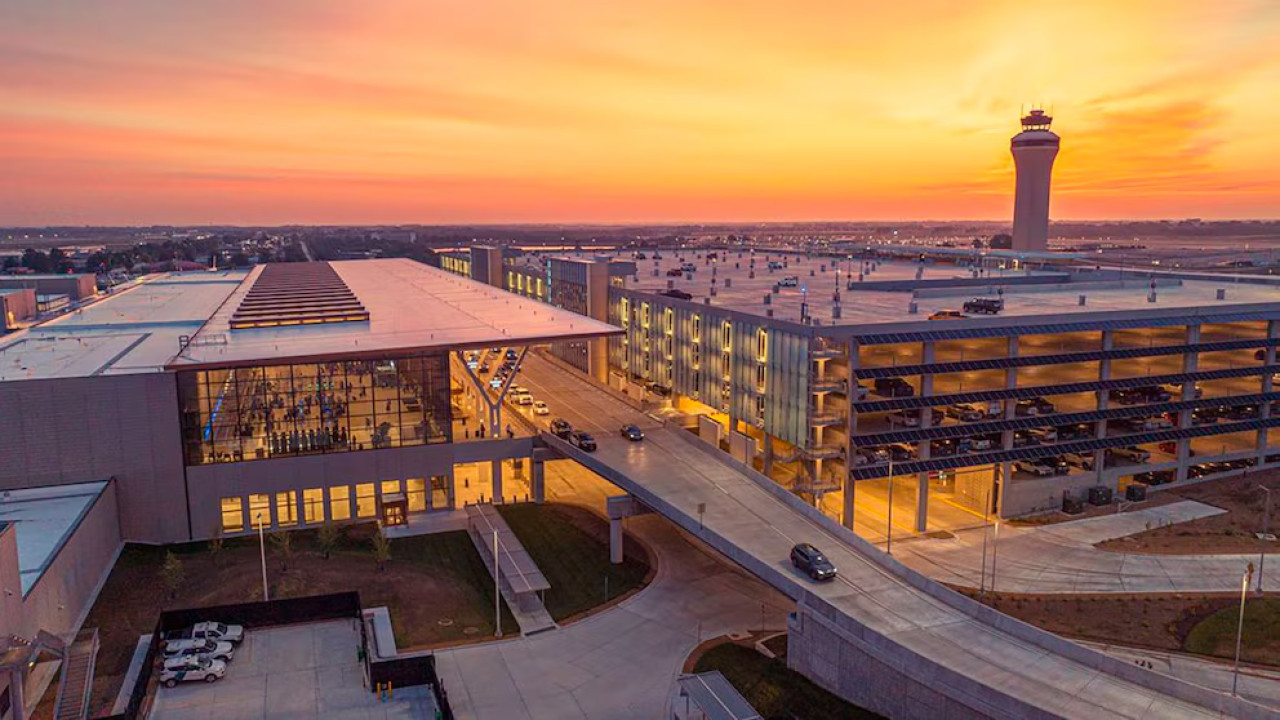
(381, 549)
(173, 573)
(283, 542)
(327, 538)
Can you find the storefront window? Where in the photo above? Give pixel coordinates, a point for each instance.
(340, 503)
(366, 502)
(259, 510)
(417, 494)
(286, 509)
(232, 515)
(313, 506)
(256, 413)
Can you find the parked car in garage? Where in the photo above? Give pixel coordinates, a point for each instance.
(1034, 467)
(810, 560)
(965, 412)
(1084, 461)
(1131, 453)
(187, 668)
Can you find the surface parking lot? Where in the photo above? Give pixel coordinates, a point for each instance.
(288, 673)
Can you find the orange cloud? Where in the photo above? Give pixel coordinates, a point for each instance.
(569, 110)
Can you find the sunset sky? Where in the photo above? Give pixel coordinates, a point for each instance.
(437, 111)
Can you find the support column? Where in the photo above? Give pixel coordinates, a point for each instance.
(451, 491)
(496, 474)
(847, 512)
(538, 477)
(1104, 399)
(1190, 361)
(615, 541)
(768, 455)
(1268, 385)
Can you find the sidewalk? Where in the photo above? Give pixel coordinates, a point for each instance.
(1061, 558)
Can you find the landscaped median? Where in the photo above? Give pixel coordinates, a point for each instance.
(570, 544)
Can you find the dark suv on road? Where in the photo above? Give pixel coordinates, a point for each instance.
(561, 428)
(810, 559)
(582, 441)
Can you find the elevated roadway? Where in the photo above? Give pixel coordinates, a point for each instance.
(881, 635)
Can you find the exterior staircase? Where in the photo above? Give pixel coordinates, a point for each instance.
(77, 676)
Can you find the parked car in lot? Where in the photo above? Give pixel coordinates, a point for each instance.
(582, 441)
(218, 650)
(1026, 408)
(981, 442)
(901, 452)
(1044, 435)
(209, 631)
(561, 428)
(632, 433)
(186, 668)
(1023, 438)
(1059, 465)
(1043, 406)
(1033, 467)
(810, 560)
(540, 408)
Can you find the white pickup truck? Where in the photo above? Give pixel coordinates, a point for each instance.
(209, 631)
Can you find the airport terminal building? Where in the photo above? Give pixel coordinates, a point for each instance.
(833, 374)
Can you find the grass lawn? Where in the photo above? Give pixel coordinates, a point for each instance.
(430, 580)
(1216, 634)
(571, 546)
(773, 689)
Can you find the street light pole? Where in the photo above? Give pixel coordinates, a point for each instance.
(1244, 589)
(262, 547)
(995, 553)
(982, 582)
(497, 590)
(1266, 528)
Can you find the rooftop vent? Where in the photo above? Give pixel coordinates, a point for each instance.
(308, 293)
(1222, 293)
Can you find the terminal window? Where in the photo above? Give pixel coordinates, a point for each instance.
(269, 411)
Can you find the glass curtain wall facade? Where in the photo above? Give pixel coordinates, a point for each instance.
(256, 413)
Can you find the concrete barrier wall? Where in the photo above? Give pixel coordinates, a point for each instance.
(1231, 707)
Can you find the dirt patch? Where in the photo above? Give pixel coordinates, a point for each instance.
(1231, 532)
(429, 578)
(1159, 622)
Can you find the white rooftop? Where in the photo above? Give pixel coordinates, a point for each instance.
(133, 330)
(43, 518)
(411, 306)
(868, 304)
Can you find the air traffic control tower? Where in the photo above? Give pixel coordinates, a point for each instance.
(1033, 152)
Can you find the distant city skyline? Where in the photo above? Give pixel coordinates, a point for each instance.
(144, 112)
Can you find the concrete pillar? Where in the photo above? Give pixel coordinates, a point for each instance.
(768, 455)
(1190, 361)
(615, 541)
(926, 382)
(923, 451)
(850, 490)
(538, 478)
(496, 473)
(1268, 385)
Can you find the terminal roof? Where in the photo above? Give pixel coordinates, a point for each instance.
(44, 518)
(412, 307)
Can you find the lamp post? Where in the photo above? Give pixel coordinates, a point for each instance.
(995, 553)
(1244, 589)
(262, 547)
(1266, 528)
(497, 590)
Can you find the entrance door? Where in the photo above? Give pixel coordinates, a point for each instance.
(393, 515)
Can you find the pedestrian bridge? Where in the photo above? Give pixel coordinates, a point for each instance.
(882, 635)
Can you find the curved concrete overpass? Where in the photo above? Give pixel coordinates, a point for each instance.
(882, 635)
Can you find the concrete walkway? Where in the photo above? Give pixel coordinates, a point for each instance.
(623, 662)
(1257, 684)
(1061, 558)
